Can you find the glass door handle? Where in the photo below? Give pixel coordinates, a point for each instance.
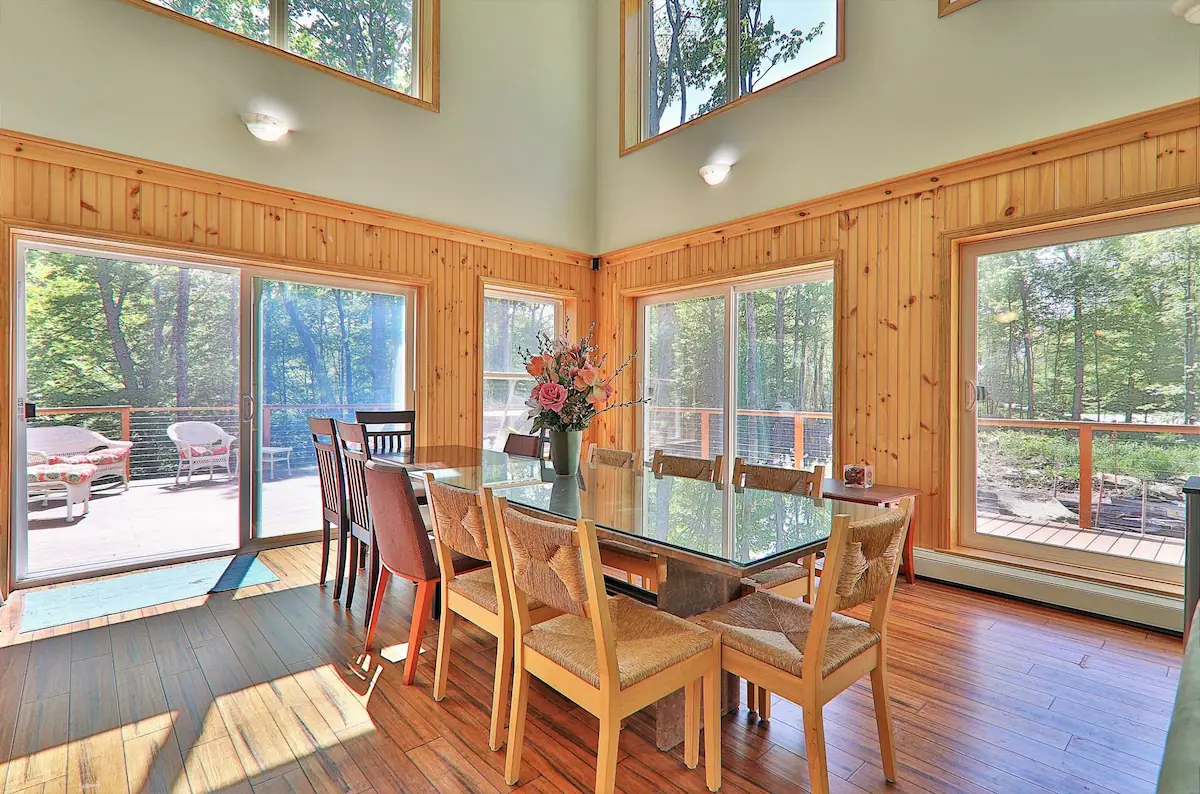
(247, 408)
(972, 395)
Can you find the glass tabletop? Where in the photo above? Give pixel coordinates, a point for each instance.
(745, 529)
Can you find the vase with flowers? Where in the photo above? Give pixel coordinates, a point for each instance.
(570, 390)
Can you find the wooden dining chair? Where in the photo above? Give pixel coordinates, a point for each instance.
(810, 654)
(777, 478)
(392, 430)
(612, 657)
(599, 456)
(404, 550)
(463, 530)
(663, 464)
(523, 445)
(333, 497)
(355, 452)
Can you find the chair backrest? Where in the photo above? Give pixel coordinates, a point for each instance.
(200, 434)
(682, 466)
(64, 439)
(861, 562)
(611, 457)
(329, 467)
(463, 523)
(355, 453)
(773, 478)
(558, 564)
(523, 445)
(400, 533)
(400, 425)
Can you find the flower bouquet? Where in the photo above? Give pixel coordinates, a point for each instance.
(570, 390)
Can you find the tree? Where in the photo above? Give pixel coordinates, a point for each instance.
(371, 39)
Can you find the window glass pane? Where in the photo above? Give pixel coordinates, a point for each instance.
(510, 327)
(371, 39)
(785, 375)
(685, 355)
(783, 37)
(686, 60)
(249, 18)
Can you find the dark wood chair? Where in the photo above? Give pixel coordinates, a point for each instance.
(355, 452)
(525, 446)
(387, 431)
(405, 550)
(333, 497)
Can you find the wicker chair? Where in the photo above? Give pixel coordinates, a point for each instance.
(663, 464)
(462, 528)
(620, 556)
(600, 456)
(612, 657)
(810, 654)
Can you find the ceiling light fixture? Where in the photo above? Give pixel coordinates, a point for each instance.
(264, 127)
(715, 173)
(1188, 9)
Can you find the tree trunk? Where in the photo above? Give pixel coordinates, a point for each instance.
(752, 379)
(179, 338)
(381, 370)
(344, 349)
(1080, 352)
(316, 365)
(1027, 336)
(112, 305)
(158, 345)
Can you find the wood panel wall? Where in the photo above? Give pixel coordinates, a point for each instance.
(64, 188)
(893, 389)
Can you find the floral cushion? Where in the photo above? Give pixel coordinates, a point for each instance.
(101, 457)
(71, 474)
(202, 452)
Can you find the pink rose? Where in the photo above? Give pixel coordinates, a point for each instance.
(551, 396)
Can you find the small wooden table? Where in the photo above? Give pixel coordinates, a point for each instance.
(880, 496)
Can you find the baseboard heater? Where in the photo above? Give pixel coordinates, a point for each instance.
(1152, 610)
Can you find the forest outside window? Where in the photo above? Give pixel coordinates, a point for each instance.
(389, 44)
(675, 60)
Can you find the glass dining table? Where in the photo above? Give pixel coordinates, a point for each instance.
(709, 537)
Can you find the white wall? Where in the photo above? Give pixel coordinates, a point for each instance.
(914, 92)
(512, 151)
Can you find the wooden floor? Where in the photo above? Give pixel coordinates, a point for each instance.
(1130, 544)
(260, 690)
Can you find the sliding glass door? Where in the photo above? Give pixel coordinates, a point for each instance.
(162, 403)
(758, 352)
(323, 351)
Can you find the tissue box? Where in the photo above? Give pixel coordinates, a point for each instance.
(856, 475)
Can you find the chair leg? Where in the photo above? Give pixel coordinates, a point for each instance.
(516, 722)
(376, 606)
(503, 679)
(883, 717)
(373, 576)
(606, 755)
(811, 562)
(441, 672)
(910, 574)
(764, 704)
(343, 544)
(691, 724)
(420, 619)
(814, 747)
(712, 723)
(751, 696)
(353, 566)
(325, 529)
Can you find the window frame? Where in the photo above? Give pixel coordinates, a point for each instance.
(634, 104)
(730, 289)
(426, 48)
(950, 6)
(495, 289)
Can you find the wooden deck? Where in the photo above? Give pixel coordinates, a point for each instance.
(1102, 541)
(155, 519)
(262, 691)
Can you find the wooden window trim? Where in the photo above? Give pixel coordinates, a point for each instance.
(426, 51)
(634, 88)
(950, 6)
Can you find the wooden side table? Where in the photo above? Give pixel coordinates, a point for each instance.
(880, 496)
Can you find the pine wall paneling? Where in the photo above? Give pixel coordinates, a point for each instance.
(72, 190)
(894, 386)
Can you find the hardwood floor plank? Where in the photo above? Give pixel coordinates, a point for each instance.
(154, 764)
(92, 642)
(199, 624)
(131, 644)
(39, 749)
(214, 768)
(143, 704)
(172, 651)
(49, 671)
(196, 718)
(293, 782)
(447, 770)
(95, 755)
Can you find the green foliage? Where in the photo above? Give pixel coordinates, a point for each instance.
(249, 18)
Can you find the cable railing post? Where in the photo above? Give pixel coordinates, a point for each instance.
(704, 430)
(1085, 475)
(126, 434)
(798, 441)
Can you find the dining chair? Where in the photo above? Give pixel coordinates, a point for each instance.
(463, 529)
(599, 456)
(404, 550)
(691, 468)
(612, 657)
(333, 496)
(777, 478)
(355, 452)
(523, 445)
(393, 427)
(810, 654)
